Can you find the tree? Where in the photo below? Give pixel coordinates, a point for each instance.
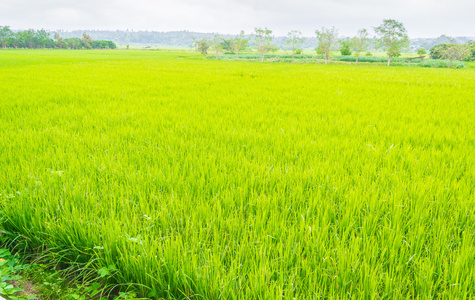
(421, 52)
(263, 40)
(294, 40)
(345, 48)
(319, 50)
(216, 44)
(226, 45)
(360, 42)
(6, 35)
(456, 52)
(326, 38)
(273, 49)
(42, 39)
(239, 43)
(471, 46)
(60, 43)
(86, 41)
(392, 38)
(24, 39)
(436, 51)
(201, 46)
(73, 43)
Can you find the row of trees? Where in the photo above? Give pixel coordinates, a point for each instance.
(40, 39)
(454, 52)
(391, 37)
(217, 44)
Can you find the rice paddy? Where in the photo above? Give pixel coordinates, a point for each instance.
(204, 179)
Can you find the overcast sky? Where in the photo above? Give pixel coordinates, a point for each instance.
(422, 18)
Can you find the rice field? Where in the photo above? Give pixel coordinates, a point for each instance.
(204, 179)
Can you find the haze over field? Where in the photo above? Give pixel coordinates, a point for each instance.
(426, 18)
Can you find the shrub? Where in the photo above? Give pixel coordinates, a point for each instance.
(421, 51)
(345, 48)
(369, 53)
(436, 51)
(103, 45)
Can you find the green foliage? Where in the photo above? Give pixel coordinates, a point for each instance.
(86, 41)
(471, 45)
(369, 53)
(226, 45)
(41, 39)
(360, 42)
(10, 269)
(274, 57)
(294, 39)
(346, 58)
(74, 43)
(106, 271)
(201, 46)
(459, 52)
(51, 283)
(369, 59)
(103, 45)
(421, 52)
(456, 52)
(239, 43)
(428, 63)
(345, 48)
(392, 38)
(436, 51)
(199, 179)
(216, 44)
(298, 51)
(326, 38)
(263, 41)
(320, 50)
(6, 36)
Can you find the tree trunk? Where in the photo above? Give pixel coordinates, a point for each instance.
(451, 63)
(237, 55)
(326, 58)
(389, 60)
(262, 58)
(216, 54)
(356, 60)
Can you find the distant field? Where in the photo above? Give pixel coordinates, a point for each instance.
(209, 179)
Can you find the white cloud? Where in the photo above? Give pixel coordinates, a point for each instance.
(422, 18)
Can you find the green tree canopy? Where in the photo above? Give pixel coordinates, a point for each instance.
(326, 38)
(392, 38)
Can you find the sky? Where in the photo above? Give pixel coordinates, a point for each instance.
(422, 18)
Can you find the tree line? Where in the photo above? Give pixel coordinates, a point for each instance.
(183, 39)
(40, 39)
(391, 37)
(453, 51)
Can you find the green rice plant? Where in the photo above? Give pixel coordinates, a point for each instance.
(209, 179)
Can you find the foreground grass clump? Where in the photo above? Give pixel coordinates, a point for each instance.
(240, 180)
